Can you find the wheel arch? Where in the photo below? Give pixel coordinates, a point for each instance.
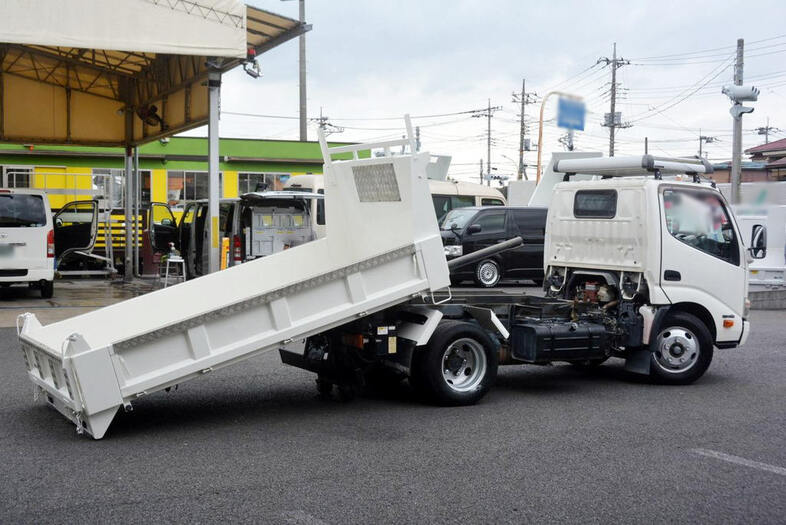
(694, 309)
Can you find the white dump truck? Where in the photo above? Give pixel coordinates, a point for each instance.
(370, 301)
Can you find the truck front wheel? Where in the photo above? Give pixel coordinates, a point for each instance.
(682, 350)
(457, 366)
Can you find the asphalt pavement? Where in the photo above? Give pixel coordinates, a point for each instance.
(253, 443)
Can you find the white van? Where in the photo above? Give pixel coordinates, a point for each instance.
(31, 240)
(445, 194)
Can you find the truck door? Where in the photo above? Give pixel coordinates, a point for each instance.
(184, 233)
(75, 225)
(163, 227)
(702, 256)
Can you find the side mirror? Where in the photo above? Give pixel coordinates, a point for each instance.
(474, 228)
(758, 249)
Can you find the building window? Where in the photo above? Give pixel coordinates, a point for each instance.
(16, 177)
(248, 182)
(185, 186)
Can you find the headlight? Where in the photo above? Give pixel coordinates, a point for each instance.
(454, 251)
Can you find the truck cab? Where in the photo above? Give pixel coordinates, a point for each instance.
(664, 246)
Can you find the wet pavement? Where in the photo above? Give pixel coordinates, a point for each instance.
(72, 297)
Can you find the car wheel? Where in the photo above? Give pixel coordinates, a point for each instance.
(681, 351)
(488, 274)
(457, 366)
(47, 289)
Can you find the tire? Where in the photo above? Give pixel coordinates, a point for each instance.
(682, 350)
(47, 289)
(488, 273)
(471, 360)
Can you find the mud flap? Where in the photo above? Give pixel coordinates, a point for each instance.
(639, 361)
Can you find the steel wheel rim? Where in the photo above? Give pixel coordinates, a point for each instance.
(677, 350)
(488, 273)
(464, 365)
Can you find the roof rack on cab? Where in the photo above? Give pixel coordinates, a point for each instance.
(636, 165)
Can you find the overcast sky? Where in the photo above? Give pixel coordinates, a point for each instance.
(381, 59)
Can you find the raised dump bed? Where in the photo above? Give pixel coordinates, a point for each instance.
(382, 246)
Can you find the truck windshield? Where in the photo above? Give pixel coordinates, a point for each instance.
(457, 219)
(21, 211)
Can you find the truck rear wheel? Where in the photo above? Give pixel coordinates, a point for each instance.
(682, 350)
(457, 366)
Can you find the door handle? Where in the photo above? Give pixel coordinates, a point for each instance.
(671, 275)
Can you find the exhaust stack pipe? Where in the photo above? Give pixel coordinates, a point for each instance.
(485, 252)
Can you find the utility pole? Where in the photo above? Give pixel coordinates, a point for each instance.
(324, 124)
(736, 153)
(704, 139)
(302, 45)
(611, 121)
(766, 130)
(488, 144)
(488, 113)
(481, 171)
(524, 98)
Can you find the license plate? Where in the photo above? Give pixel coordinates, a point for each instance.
(6, 250)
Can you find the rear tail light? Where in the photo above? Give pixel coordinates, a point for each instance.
(237, 250)
(50, 243)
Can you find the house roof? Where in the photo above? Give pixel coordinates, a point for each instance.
(772, 146)
(780, 163)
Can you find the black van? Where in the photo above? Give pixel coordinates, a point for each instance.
(465, 230)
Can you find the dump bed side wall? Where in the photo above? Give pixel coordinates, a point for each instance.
(383, 246)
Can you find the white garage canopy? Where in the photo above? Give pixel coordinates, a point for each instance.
(121, 72)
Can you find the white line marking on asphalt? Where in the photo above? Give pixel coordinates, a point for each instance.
(740, 461)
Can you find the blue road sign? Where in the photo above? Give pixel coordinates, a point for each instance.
(571, 113)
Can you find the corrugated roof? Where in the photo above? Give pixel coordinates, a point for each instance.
(780, 163)
(772, 146)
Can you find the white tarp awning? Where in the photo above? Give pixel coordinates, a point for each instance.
(180, 27)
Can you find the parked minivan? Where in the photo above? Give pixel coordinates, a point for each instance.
(32, 240)
(469, 229)
(446, 195)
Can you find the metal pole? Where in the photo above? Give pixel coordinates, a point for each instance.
(646, 145)
(302, 42)
(128, 264)
(613, 125)
(137, 198)
(700, 141)
(736, 155)
(214, 94)
(521, 131)
(488, 146)
(481, 171)
(128, 255)
(540, 125)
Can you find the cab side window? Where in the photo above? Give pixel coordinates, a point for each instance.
(491, 223)
(491, 202)
(700, 220)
